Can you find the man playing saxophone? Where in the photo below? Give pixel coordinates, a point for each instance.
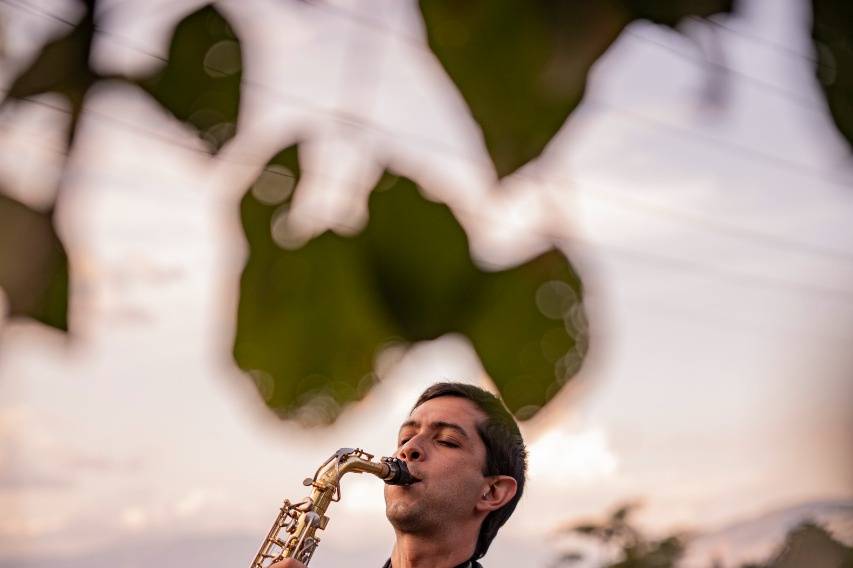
(467, 455)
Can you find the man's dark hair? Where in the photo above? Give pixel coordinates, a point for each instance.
(505, 451)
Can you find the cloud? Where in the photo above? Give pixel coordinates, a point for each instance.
(218, 551)
(560, 457)
(20, 477)
(25, 441)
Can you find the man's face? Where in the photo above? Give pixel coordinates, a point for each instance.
(443, 449)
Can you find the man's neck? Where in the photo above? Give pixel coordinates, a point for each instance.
(445, 551)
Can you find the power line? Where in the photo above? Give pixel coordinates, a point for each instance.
(652, 259)
(805, 103)
(126, 42)
(748, 279)
(36, 11)
(343, 117)
(738, 150)
(113, 36)
(770, 44)
(739, 232)
(659, 261)
(418, 45)
(372, 24)
(631, 202)
(734, 324)
(376, 25)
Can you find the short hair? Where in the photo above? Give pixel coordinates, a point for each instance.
(505, 451)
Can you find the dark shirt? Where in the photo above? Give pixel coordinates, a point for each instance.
(469, 564)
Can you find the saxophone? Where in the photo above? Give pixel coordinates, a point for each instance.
(293, 534)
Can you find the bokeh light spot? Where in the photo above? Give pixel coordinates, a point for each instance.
(527, 411)
(576, 322)
(264, 383)
(555, 298)
(555, 343)
(223, 59)
(220, 133)
(568, 365)
(282, 232)
(274, 185)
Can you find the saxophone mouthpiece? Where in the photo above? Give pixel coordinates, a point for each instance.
(398, 472)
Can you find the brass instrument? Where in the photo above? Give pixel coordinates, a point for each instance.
(293, 534)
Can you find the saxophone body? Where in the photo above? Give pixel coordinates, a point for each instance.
(294, 532)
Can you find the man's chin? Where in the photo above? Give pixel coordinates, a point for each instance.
(404, 516)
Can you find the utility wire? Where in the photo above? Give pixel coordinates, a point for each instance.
(376, 25)
(660, 261)
(36, 11)
(803, 102)
(721, 228)
(733, 148)
(626, 200)
(769, 44)
(417, 44)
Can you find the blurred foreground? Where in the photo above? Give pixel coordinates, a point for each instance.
(700, 187)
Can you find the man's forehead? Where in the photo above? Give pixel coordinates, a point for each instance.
(445, 410)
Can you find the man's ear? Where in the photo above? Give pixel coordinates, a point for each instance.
(498, 492)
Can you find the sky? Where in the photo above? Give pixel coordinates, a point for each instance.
(706, 211)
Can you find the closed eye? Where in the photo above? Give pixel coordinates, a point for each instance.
(448, 443)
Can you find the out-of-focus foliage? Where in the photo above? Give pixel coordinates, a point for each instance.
(809, 545)
(62, 66)
(832, 30)
(521, 65)
(33, 265)
(634, 549)
(306, 323)
(312, 320)
(200, 84)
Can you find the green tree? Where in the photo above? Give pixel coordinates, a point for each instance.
(631, 547)
(809, 545)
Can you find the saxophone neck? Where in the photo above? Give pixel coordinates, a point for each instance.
(392, 471)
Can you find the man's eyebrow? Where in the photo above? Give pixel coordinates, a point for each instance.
(438, 425)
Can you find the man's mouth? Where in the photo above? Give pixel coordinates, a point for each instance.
(416, 477)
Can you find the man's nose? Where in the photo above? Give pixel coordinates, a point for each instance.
(411, 450)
